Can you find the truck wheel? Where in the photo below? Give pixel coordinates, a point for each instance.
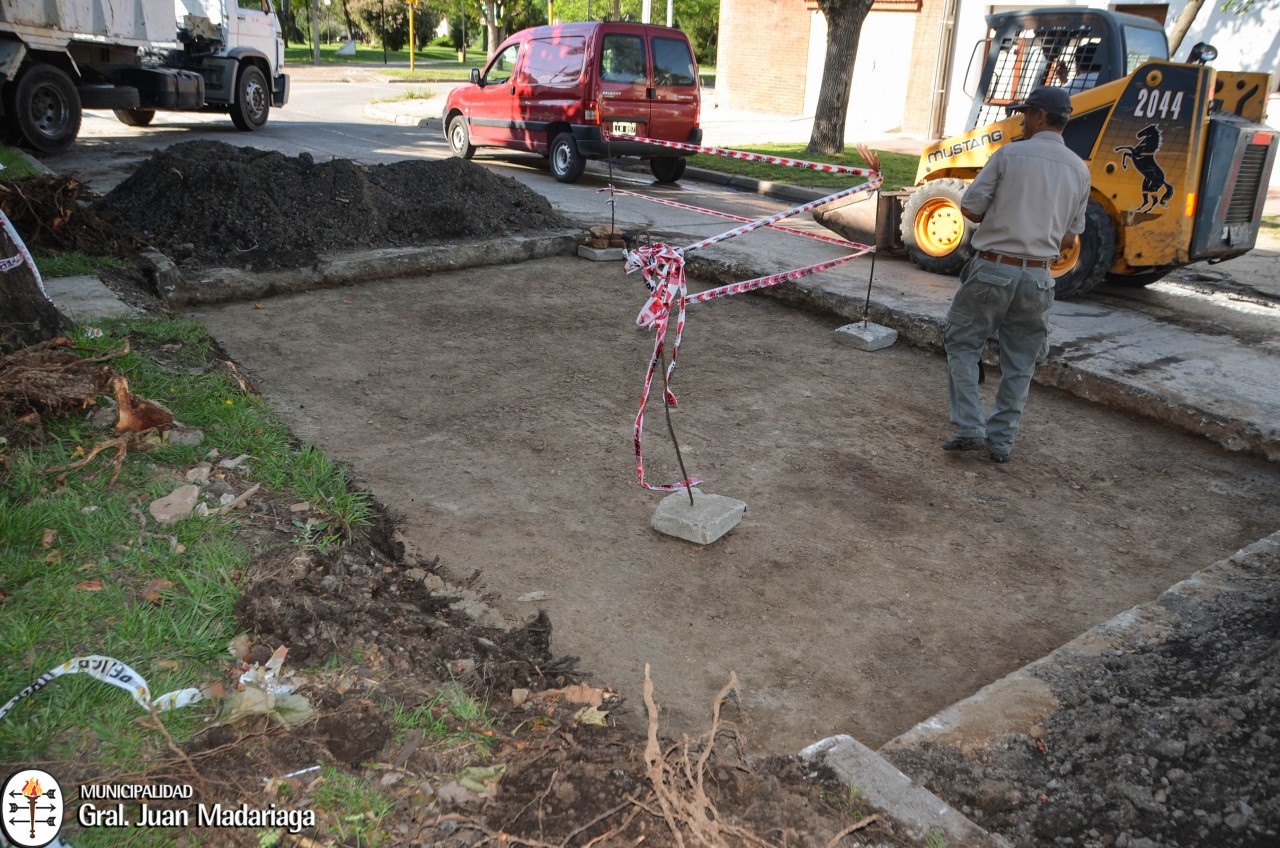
(934, 232)
(1084, 265)
(667, 169)
(460, 138)
(45, 109)
(135, 117)
(567, 164)
(253, 100)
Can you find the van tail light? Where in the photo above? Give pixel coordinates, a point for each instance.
(592, 114)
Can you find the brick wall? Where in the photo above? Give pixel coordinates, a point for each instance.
(762, 57)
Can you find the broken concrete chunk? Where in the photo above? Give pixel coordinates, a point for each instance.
(175, 506)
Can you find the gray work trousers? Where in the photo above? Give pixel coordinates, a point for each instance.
(1013, 301)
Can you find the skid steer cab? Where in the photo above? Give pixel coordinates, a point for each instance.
(1178, 154)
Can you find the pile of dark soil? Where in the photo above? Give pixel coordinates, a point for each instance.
(1171, 745)
(207, 203)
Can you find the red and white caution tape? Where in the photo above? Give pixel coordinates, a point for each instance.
(24, 256)
(662, 267)
(116, 673)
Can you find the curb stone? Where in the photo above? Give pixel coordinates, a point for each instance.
(222, 284)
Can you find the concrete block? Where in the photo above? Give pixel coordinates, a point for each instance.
(919, 811)
(85, 298)
(866, 336)
(709, 518)
(602, 254)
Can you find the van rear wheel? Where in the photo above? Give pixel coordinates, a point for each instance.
(667, 169)
(567, 163)
(44, 107)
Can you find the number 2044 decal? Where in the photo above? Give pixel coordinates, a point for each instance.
(1159, 103)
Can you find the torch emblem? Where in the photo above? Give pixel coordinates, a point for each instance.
(33, 808)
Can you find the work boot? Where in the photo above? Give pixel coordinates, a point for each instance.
(964, 443)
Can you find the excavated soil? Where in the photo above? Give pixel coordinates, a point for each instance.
(205, 202)
(873, 582)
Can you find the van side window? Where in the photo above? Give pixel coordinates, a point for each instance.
(499, 70)
(554, 61)
(622, 59)
(672, 63)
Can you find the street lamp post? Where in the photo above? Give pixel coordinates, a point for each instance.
(384, 32)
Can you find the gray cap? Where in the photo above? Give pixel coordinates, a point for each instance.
(1049, 99)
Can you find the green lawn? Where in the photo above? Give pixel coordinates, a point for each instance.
(431, 64)
(899, 169)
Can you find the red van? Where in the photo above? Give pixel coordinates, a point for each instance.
(551, 89)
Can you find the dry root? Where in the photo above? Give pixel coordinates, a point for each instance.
(49, 379)
(678, 781)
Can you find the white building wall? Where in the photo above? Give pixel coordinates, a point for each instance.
(877, 99)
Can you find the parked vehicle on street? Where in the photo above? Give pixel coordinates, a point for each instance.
(136, 57)
(566, 91)
(1179, 155)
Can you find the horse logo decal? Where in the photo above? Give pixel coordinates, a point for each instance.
(1155, 188)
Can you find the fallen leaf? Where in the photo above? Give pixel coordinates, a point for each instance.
(90, 585)
(1040, 744)
(170, 665)
(53, 557)
(48, 538)
(155, 589)
(259, 306)
(590, 715)
(239, 647)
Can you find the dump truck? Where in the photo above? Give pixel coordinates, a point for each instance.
(1179, 155)
(135, 57)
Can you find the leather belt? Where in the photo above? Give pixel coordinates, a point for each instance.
(1012, 260)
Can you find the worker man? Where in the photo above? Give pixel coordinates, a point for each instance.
(1030, 201)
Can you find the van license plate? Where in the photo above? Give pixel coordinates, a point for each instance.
(624, 127)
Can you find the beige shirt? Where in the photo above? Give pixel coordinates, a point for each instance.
(1031, 194)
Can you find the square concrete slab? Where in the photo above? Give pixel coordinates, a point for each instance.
(602, 254)
(709, 518)
(866, 336)
(85, 298)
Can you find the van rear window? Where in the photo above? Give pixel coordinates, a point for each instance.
(622, 59)
(555, 61)
(672, 63)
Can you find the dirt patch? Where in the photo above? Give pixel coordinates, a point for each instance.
(207, 203)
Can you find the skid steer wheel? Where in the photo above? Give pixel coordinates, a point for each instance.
(1145, 278)
(253, 100)
(934, 232)
(1085, 264)
(45, 108)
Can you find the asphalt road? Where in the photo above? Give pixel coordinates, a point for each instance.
(328, 118)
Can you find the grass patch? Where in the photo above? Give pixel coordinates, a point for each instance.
(899, 169)
(452, 719)
(354, 808)
(76, 560)
(410, 94)
(75, 263)
(15, 164)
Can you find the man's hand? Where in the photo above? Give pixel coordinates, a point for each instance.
(1067, 242)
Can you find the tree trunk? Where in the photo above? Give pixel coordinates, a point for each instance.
(1183, 23)
(29, 316)
(844, 26)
